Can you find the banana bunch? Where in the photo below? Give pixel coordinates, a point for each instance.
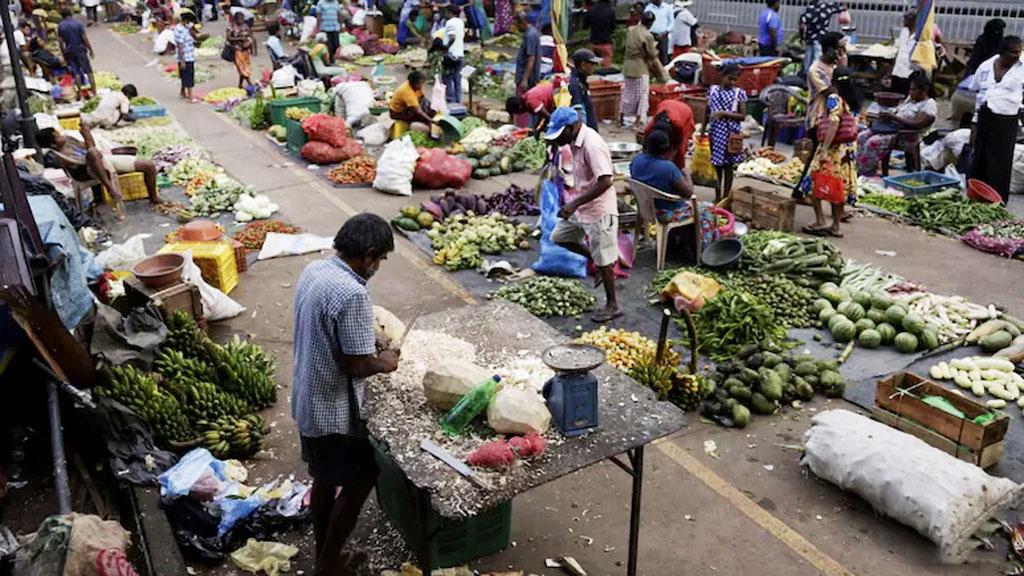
(205, 401)
(232, 437)
(138, 391)
(173, 366)
(185, 337)
(245, 370)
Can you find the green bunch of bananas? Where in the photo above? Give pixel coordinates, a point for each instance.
(232, 437)
(205, 401)
(184, 336)
(138, 391)
(173, 365)
(246, 371)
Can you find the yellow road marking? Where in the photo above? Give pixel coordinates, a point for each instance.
(777, 528)
(408, 255)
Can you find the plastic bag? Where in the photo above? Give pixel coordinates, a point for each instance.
(322, 153)
(324, 128)
(828, 187)
(555, 260)
(216, 304)
(179, 479)
(44, 553)
(374, 135)
(943, 498)
(438, 102)
(308, 28)
(1017, 176)
(123, 256)
(306, 88)
(356, 97)
(436, 170)
(276, 244)
(350, 52)
(702, 170)
(284, 77)
(270, 557)
(396, 166)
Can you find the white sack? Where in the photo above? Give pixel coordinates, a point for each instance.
(356, 97)
(518, 411)
(308, 28)
(351, 52)
(396, 166)
(940, 496)
(1017, 176)
(373, 135)
(284, 77)
(446, 382)
(216, 304)
(277, 244)
(123, 256)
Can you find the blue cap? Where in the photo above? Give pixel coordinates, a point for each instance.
(561, 118)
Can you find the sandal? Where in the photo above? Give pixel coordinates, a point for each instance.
(606, 315)
(814, 231)
(833, 233)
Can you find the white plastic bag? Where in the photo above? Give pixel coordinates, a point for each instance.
(438, 102)
(309, 87)
(933, 156)
(396, 166)
(350, 52)
(1017, 176)
(373, 135)
(308, 28)
(277, 244)
(284, 77)
(357, 97)
(216, 304)
(123, 256)
(940, 496)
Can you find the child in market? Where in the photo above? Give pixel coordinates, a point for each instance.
(727, 107)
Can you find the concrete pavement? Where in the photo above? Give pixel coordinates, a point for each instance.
(702, 515)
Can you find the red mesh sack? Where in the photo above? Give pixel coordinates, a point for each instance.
(322, 153)
(436, 170)
(351, 148)
(324, 128)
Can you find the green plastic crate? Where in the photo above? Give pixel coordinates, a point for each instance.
(277, 107)
(295, 136)
(455, 543)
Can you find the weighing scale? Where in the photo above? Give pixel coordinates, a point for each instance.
(572, 393)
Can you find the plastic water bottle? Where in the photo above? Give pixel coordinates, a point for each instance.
(469, 406)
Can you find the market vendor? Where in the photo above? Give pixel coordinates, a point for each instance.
(585, 63)
(675, 117)
(335, 350)
(114, 107)
(999, 83)
(591, 211)
(916, 113)
(538, 101)
(408, 104)
(86, 157)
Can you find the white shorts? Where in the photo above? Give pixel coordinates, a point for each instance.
(123, 163)
(603, 237)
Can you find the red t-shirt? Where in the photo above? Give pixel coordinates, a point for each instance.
(540, 97)
(681, 116)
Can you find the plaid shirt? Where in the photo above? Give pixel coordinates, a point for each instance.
(332, 312)
(329, 13)
(183, 40)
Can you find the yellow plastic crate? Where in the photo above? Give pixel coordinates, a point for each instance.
(390, 32)
(133, 186)
(70, 123)
(216, 260)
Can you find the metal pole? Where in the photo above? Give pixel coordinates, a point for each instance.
(60, 469)
(637, 460)
(27, 123)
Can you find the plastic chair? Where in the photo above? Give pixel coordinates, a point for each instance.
(647, 214)
(776, 102)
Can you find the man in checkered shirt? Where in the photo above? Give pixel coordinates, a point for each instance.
(335, 349)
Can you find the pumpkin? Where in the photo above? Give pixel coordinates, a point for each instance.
(905, 342)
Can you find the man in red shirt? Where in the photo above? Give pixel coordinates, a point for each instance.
(538, 101)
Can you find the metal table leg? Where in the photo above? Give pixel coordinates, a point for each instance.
(635, 468)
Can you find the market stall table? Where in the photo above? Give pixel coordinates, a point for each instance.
(871, 64)
(630, 417)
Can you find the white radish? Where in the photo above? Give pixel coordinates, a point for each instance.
(975, 374)
(944, 369)
(1000, 364)
(996, 403)
(963, 381)
(978, 388)
(935, 372)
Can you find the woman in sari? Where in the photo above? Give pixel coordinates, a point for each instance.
(502, 17)
(240, 37)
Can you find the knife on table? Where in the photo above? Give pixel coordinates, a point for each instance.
(456, 464)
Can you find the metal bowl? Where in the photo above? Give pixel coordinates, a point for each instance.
(624, 148)
(722, 252)
(160, 271)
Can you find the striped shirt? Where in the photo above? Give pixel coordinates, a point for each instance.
(329, 11)
(333, 314)
(185, 43)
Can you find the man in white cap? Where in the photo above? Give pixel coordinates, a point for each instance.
(682, 29)
(590, 212)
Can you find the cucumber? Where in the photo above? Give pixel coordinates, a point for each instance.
(813, 260)
(783, 265)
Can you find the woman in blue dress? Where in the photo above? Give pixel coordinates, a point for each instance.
(727, 107)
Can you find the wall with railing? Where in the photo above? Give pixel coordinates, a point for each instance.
(960, 22)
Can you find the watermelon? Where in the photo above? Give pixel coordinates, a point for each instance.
(831, 292)
(929, 338)
(863, 324)
(851, 310)
(834, 319)
(886, 331)
(905, 342)
(826, 314)
(875, 315)
(870, 338)
(894, 314)
(821, 304)
(913, 323)
(863, 298)
(844, 331)
(881, 300)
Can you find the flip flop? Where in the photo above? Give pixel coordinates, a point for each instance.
(833, 233)
(814, 231)
(606, 316)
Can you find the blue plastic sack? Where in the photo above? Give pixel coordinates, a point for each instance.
(555, 260)
(179, 479)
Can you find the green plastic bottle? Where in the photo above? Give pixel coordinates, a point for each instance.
(470, 405)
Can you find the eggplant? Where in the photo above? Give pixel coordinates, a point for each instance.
(481, 206)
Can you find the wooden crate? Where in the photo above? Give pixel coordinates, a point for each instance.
(763, 209)
(989, 456)
(900, 394)
(607, 98)
(181, 296)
